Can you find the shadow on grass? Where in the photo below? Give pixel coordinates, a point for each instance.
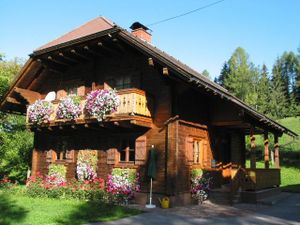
(10, 212)
(295, 188)
(96, 212)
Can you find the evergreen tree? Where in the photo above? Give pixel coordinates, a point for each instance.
(278, 103)
(288, 68)
(242, 79)
(223, 75)
(297, 86)
(264, 91)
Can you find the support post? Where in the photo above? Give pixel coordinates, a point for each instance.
(276, 151)
(34, 164)
(253, 149)
(266, 152)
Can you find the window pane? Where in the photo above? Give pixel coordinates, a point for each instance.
(131, 155)
(122, 155)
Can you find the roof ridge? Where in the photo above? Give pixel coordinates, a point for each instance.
(102, 18)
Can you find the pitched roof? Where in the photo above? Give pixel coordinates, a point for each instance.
(101, 26)
(93, 26)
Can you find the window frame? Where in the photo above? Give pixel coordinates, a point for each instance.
(129, 148)
(198, 149)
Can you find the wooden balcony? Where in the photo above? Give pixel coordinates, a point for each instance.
(135, 108)
(258, 179)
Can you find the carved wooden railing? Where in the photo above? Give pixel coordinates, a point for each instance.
(132, 102)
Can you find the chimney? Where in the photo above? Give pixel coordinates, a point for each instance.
(141, 31)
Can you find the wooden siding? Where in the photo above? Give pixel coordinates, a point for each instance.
(180, 166)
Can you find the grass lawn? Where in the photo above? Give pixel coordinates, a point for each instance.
(20, 209)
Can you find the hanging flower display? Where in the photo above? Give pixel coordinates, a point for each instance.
(102, 102)
(69, 108)
(39, 112)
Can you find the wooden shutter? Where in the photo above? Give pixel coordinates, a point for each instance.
(111, 156)
(189, 149)
(61, 94)
(140, 150)
(70, 155)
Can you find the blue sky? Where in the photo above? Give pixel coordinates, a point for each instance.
(203, 40)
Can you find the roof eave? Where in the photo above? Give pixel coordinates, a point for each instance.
(75, 41)
(189, 77)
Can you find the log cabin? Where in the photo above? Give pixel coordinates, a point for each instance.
(193, 122)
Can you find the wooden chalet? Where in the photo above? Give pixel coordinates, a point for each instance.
(192, 121)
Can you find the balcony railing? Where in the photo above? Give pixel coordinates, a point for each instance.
(133, 102)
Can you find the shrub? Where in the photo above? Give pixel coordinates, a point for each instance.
(102, 102)
(200, 185)
(39, 186)
(69, 108)
(7, 184)
(39, 112)
(196, 173)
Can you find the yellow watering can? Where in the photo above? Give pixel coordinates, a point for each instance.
(164, 202)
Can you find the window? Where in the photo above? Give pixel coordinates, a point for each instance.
(123, 82)
(71, 90)
(197, 150)
(127, 152)
(61, 151)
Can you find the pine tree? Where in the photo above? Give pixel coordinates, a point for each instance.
(278, 103)
(224, 74)
(264, 89)
(288, 68)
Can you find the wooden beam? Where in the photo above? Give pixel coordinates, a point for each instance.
(252, 149)
(266, 150)
(276, 151)
(74, 52)
(88, 49)
(68, 58)
(13, 100)
(50, 66)
(57, 61)
(165, 71)
(117, 43)
(28, 95)
(109, 50)
(227, 123)
(150, 62)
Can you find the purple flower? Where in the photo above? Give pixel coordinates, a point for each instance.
(101, 103)
(39, 112)
(69, 108)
